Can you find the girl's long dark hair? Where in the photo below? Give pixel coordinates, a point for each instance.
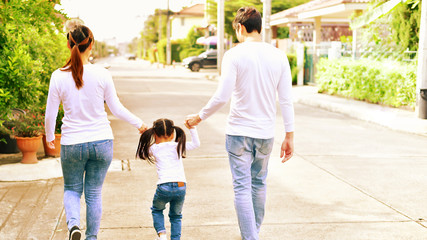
(79, 40)
(161, 128)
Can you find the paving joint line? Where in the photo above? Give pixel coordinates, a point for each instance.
(13, 209)
(4, 195)
(364, 192)
(61, 214)
(36, 210)
(265, 224)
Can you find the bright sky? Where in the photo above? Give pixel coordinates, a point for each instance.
(122, 19)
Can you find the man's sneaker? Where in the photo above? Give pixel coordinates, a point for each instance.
(75, 233)
(162, 237)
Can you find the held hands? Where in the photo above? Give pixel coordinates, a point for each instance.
(143, 128)
(287, 149)
(192, 120)
(188, 126)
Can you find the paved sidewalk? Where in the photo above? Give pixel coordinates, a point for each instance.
(393, 118)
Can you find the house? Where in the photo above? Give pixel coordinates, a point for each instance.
(318, 24)
(183, 21)
(332, 17)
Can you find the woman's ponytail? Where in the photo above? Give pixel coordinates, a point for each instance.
(76, 65)
(145, 142)
(79, 41)
(180, 139)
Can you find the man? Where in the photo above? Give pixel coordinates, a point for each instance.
(252, 73)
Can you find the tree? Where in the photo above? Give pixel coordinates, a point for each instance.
(150, 33)
(394, 24)
(406, 25)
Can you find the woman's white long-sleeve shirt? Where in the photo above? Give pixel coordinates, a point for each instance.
(169, 165)
(252, 73)
(85, 119)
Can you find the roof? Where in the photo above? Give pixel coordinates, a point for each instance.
(338, 9)
(195, 10)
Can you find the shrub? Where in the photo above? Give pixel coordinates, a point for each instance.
(32, 46)
(20, 80)
(175, 49)
(292, 58)
(382, 82)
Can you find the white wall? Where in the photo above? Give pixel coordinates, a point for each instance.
(182, 25)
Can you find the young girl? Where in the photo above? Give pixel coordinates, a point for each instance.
(157, 146)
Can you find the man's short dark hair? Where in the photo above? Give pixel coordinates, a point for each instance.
(248, 17)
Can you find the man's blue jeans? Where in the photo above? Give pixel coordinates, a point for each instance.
(248, 163)
(174, 195)
(84, 167)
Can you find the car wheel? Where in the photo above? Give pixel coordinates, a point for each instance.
(195, 67)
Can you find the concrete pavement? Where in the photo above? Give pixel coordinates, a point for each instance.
(349, 179)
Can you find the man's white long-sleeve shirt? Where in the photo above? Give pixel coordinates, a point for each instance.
(85, 118)
(252, 73)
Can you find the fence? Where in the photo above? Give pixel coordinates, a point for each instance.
(333, 50)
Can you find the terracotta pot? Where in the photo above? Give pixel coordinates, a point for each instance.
(28, 147)
(53, 152)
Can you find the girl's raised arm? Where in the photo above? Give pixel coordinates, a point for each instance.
(195, 141)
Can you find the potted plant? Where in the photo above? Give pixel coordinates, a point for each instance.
(27, 129)
(57, 151)
(7, 142)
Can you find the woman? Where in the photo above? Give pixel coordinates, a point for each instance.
(87, 138)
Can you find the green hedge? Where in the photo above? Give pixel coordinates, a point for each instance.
(292, 58)
(176, 47)
(382, 82)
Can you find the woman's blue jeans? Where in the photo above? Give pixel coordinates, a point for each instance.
(248, 163)
(84, 167)
(174, 195)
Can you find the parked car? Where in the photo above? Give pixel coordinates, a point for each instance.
(131, 56)
(206, 59)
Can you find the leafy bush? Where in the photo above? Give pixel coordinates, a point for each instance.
(19, 76)
(59, 117)
(32, 46)
(175, 49)
(292, 58)
(383, 82)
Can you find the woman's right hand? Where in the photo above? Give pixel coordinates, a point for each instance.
(51, 145)
(143, 128)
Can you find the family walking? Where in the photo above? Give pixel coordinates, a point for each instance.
(254, 73)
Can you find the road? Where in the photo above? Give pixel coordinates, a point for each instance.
(348, 179)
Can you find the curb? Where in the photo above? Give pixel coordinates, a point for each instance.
(45, 169)
(393, 118)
